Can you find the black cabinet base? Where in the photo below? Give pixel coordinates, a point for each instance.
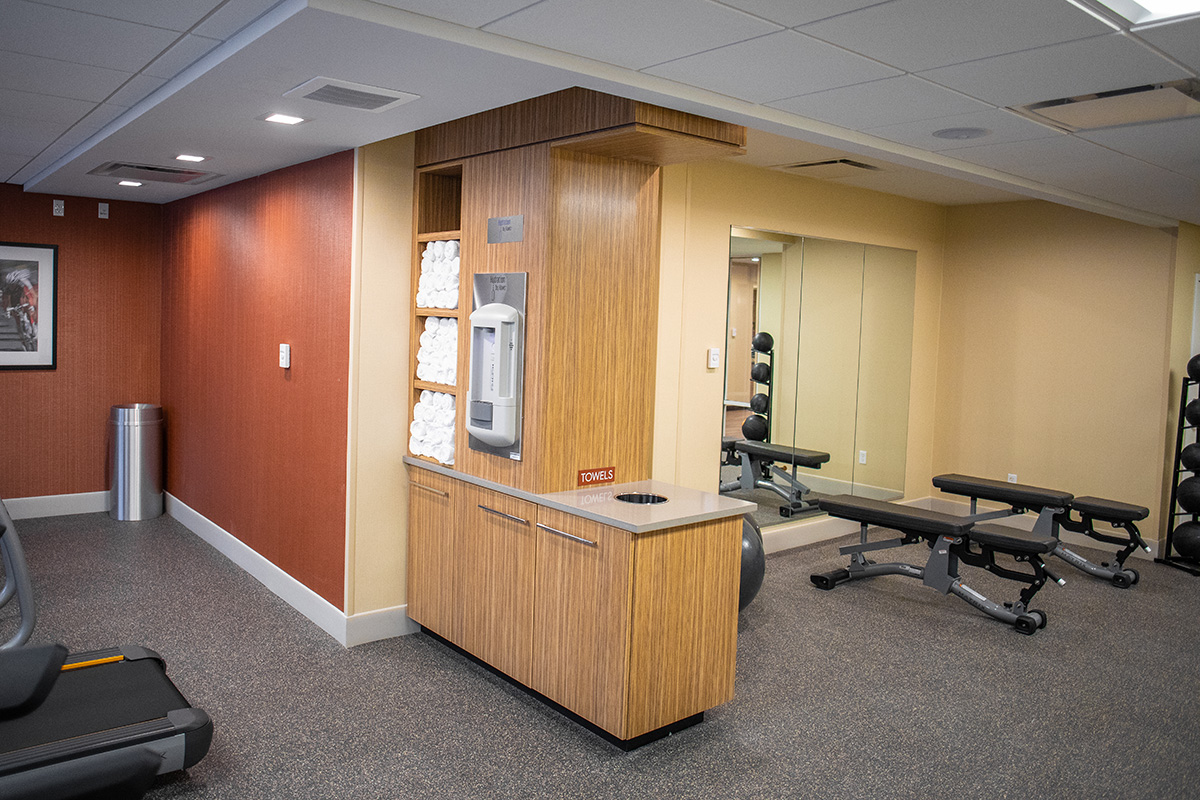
(624, 744)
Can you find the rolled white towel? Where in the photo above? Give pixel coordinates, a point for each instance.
(454, 265)
(419, 429)
(444, 453)
(423, 299)
(446, 324)
(439, 248)
(451, 249)
(427, 396)
(433, 324)
(427, 339)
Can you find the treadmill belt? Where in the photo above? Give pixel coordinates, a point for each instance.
(94, 699)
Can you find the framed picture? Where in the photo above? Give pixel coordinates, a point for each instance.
(28, 311)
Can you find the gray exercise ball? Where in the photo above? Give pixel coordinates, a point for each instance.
(754, 561)
(1193, 367)
(1186, 540)
(1189, 457)
(1187, 494)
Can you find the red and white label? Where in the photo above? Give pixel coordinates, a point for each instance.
(591, 477)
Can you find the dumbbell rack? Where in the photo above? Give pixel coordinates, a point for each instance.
(1168, 556)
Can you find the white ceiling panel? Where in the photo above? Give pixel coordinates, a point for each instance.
(231, 17)
(176, 15)
(1005, 126)
(770, 150)
(885, 102)
(57, 78)
(463, 12)
(1048, 159)
(180, 56)
(1181, 40)
(1100, 64)
(25, 137)
(791, 13)
(916, 35)
(76, 134)
(80, 38)
(9, 164)
(631, 33)
(31, 105)
(1173, 144)
(778, 65)
(134, 90)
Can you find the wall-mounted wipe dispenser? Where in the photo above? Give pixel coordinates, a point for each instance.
(494, 411)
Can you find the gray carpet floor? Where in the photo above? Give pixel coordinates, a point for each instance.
(877, 689)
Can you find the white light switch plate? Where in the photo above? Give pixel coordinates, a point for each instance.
(285, 356)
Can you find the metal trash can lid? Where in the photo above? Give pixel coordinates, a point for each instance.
(135, 414)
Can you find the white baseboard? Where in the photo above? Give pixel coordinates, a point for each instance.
(349, 631)
(56, 505)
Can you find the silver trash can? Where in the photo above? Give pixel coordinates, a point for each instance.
(135, 461)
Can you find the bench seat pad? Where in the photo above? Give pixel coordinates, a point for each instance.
(1109, 510)
(893, 515)
(780, 452)
(1017, 494)
(1011, 540)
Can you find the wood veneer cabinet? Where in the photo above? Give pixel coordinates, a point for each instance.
(631, 631)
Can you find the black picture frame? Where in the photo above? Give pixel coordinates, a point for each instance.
(28, 305)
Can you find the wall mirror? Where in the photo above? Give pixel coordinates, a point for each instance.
(836, 378)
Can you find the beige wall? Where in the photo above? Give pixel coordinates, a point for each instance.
(700, 203)
(1053, 350)
(1187, 267)
(377, 539)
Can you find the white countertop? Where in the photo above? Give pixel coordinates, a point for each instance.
(683, 506)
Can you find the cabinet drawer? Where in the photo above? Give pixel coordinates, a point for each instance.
(432, 512)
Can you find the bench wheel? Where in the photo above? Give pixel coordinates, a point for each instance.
(1124, 579)
(1028, 624)
(1134, 573)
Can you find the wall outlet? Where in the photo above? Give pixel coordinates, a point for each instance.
(104, 211)
(1012, 478)
(59, 207)
(862, 456)
(285, 356)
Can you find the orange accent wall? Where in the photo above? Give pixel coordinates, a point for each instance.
(259, 450)
(109, 285)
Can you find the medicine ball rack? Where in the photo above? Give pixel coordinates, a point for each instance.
(1169, 555)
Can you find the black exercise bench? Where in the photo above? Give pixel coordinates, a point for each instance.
(951, 539)
(759, 466)
(1054, 509)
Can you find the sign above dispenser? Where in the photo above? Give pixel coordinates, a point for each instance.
(506, 229)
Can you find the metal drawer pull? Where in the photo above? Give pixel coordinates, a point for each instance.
(438, 492)
(502, 514)
(570, 536)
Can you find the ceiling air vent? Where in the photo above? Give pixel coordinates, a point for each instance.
(830, 169)
(350, 95)
(1136, 105)
(147, 172)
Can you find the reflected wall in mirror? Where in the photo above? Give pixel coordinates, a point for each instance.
(841, 316)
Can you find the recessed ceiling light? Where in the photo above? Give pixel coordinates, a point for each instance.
(186, 157)
(754, 259)
(129, 183)
(1142, 12)
(962, 133)
(283, 119)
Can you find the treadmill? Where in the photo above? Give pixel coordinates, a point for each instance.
(101, 724)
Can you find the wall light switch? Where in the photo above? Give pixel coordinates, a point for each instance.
(862, 456)
(104, 211)
(59, 208)
(1012, 478)
(714, 357)
(285, 356)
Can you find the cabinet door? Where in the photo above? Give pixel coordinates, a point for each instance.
(432, 506)
(494, 562)
(581, 629)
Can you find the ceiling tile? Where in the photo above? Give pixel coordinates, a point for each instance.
(80, 38)
(229, 18)
(134, 90)
(1005, 126)
(10, 165)
(1100, 64)
(24, 137)
(1173, 144)
(1180, 40)
(631, 33)
(782, 64)
(177, 15)
(885, 102)
(927, 186)
(472, 14)
(921, 34)
(71, 138)
(180, 56)
(58, 78)
(31, 105)
(791, 13)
